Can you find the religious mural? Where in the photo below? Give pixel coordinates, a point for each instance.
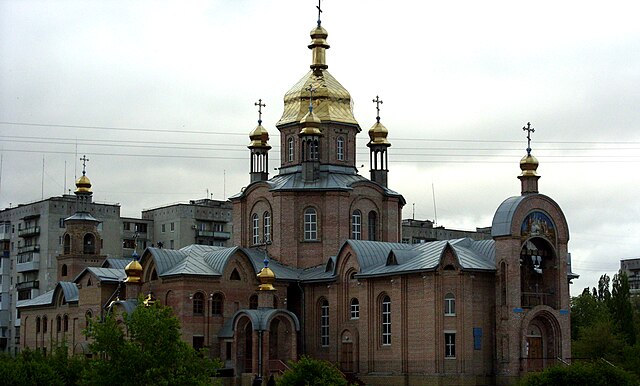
(538, 224)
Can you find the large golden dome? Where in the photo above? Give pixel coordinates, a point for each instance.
(83, 185)
(331, 101)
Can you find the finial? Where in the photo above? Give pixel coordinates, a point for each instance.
(529, 130)
(311, 89)
(378, 102)
(84, 160)
(319, 12)
(266, 262)
(260, 106)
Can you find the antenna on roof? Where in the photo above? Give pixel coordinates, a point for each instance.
(435, 210)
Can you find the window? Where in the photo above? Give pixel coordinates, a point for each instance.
(87, 318)
(255, 221)
(66, 323)
(173, 226)
(217, 302)
(373, 226)
(313, 151)
(58, 323)
(449, 305)
(64, 270)
(164, 229)
(324, 323)
(266, 221)
(235, 275)
(290, 149)
(310, 224)
(38, 325)
(340, 149)
(356, 225)
(44, 324)
(198, 303)
(386, 321)
(61, 222)
(253, 302)
(449, 344)
(171, 244)
(355, 309)
(89, 245)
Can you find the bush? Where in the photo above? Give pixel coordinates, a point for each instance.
(597, 373)
(312, 372)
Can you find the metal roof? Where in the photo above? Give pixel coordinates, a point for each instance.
(45, 299)
(108, 274)
(81, 216)
(115, 263)
(501, 225)
(69, 291)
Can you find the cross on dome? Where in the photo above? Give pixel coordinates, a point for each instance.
(84, 160)
(260, 106)
(311, 89)
(319, 12)
(378, 102)
(529, 130)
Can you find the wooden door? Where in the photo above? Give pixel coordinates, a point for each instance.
(536, 357)
(346, 359)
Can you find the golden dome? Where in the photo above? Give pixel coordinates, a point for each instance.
(310, 124)
(83, 185)
(259, 137)
(266, 277)
(134, 272)
(529, 165)
(332, 102)
(378, 134)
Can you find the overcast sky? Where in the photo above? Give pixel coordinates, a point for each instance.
(160, 97)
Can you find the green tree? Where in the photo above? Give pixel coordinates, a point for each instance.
(33, 368)
(145, 349)
(312, 372)
(597, 373)
(621, 308)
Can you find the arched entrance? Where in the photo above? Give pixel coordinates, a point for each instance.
(244, 349)
(542, 340)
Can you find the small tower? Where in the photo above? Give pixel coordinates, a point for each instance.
(133, 281)
(81, 240)
(378, 145)
(529, 166)
(310, 141)
(266, 277)
(259, 149)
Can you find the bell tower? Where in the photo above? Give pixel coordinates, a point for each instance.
(259, 148)
(378, 145)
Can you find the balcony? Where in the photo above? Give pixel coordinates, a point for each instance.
(28, 232)
(31, 284)
(29, 248)
(5, 235)
(214, 234)
(28, 262)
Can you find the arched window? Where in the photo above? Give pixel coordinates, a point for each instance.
(355, 309)
(217, 304)
(255, 225)
(386, 320)
(373, 226)
(449, 304)
(58, 323)
(340, 149)
(64, 270)
(38, 325)
(253, 302)
(65, 323)
(45, 326)
(266, 221)
(198, 303)
(89, 244)
(356, 225)
(87, 318)
(67, 244)
(324, 323)
(290, 149)
(310, 224)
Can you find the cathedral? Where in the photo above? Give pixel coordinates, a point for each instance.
(318, 267)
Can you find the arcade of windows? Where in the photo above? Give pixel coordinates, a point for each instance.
(356, 225)
(266, 228)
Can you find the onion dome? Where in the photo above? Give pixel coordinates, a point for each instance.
(259, 137)
(378, 134)
(83, 184)
(334, 101)
(529, 165)
(266, 277)
(133, 271)
(310, 124)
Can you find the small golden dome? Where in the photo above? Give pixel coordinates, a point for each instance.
(259, 137)
(83, 185)
(310, 124)
(529, 165)
(266, 277)
(134, 272)
(378, 134)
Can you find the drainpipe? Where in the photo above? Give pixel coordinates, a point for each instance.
(260, 355)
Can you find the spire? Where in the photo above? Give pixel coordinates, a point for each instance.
(529, 166)
(259, 147)
(378, 145)
(318, 45)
